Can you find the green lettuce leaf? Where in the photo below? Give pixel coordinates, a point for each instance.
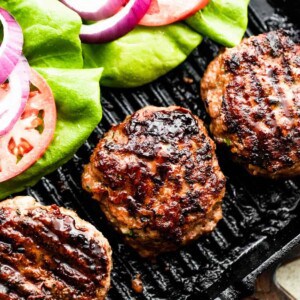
(79, 111)
(52, 44)
(142, 55)
(51, 32)
(224, 21)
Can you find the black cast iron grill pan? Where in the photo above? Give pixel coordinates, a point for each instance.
(261, 217)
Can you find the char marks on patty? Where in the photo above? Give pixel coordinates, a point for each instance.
(252, 93)
(157, 179)
(49, 253)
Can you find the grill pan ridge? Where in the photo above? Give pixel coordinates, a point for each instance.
(261, 217)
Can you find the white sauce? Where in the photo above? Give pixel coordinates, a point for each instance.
(288, 276)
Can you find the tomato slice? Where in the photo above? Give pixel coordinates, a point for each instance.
(33, 132)
(163, 12)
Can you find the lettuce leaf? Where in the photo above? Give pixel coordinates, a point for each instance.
(224, 21)
(52, 44)
(142, 55)
(51, 32)
(79, 111)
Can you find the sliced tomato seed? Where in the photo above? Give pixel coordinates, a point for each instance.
(19, 150)
(37, 122)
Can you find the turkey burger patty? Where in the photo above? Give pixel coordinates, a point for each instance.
(48, 252)
(157, 179)
(252, 93)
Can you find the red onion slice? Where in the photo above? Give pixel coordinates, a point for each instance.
(118, 25)
(95, 10)
(13, 101)
(12, 44)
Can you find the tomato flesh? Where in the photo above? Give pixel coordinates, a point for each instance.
(30, 137)
(163, 12)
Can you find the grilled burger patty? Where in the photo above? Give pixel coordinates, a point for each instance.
(252, 93)
(157, 179)
(50, 253)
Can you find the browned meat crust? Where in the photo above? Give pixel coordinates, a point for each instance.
(157, 179)
(49, 253)
(252, 94)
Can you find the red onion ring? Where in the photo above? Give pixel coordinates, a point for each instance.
(95, 10)
(13, 103)
(118, 25)
(12, 44)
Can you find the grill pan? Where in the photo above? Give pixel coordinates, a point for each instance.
(261, 217)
